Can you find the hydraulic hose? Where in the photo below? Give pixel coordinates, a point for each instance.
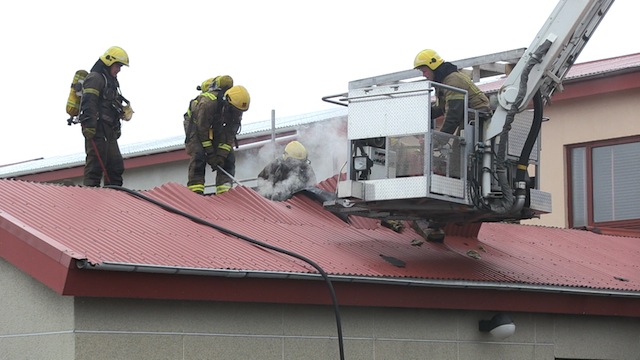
(533, 133)
(523, 161)
(511, 202)
(200, 221)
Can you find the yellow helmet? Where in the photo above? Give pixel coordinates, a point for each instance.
(238, 96)
(429, 58)
(205, 84)
(295, 150)
(115, 54)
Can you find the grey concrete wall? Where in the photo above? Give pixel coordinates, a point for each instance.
(122, 329)
(35, 322)
(149, 177)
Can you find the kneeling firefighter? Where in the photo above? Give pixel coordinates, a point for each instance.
(286, 175)
(213, 123)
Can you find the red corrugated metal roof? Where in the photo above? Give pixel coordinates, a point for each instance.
(108, 226)
(604, 66)
(586, 69)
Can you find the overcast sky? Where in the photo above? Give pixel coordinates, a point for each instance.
(288, 54)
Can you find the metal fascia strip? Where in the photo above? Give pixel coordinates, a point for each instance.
(157, 269)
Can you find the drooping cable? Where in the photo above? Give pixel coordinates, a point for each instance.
(200, 221)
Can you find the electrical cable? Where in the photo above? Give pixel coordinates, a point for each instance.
(198, 220)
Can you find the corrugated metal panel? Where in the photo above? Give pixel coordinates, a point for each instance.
(112, 226)
(571, 257)
(582, 70)
(604, 66)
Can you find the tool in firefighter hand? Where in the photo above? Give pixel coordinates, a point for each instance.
(229, 175)
(72, 120)
(127, 110)
(104, 169)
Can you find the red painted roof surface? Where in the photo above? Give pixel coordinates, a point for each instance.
(108, 226)
(586, 69)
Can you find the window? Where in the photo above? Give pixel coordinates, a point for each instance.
(604, 186)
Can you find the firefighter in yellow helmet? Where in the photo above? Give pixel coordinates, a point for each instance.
(101, 109)
(217, 85)
(214, 121)
(450, 103)
(286, 175)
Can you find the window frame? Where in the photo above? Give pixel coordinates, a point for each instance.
(633, 224)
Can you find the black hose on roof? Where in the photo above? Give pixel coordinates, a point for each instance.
(200, 221)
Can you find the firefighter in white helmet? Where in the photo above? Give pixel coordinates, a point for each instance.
(286, 175)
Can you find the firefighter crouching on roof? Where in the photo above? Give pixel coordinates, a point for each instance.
(215, 120)
(101, 110)
(286, 175)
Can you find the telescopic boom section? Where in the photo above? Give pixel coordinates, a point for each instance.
(549, 57)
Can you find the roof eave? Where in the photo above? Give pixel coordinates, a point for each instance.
(238, 273)
(159, 282)
(22, 246)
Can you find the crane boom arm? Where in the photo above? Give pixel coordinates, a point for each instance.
(548, 58)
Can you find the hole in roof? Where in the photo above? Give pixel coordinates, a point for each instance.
(393, 261)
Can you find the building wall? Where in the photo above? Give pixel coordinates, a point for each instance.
(35, 322)
(575, 121)
(118, 329)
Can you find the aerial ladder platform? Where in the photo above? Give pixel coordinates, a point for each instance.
(400, 167)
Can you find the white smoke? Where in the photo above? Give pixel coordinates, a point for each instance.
(327, 145)
(325, 141)
(281, 190)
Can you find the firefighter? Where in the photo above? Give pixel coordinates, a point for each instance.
(287, 174)
(450, 103)
(215, 120)
(217, 85)
(101, 110)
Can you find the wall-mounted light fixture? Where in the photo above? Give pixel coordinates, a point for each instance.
(500, 326)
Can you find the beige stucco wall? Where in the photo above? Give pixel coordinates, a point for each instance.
(575, 121)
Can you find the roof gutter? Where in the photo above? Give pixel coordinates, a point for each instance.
(230, 273)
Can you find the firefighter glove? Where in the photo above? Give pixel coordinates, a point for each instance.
(127, 112)
(215, 161)
(208, 148)
(88, 132)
